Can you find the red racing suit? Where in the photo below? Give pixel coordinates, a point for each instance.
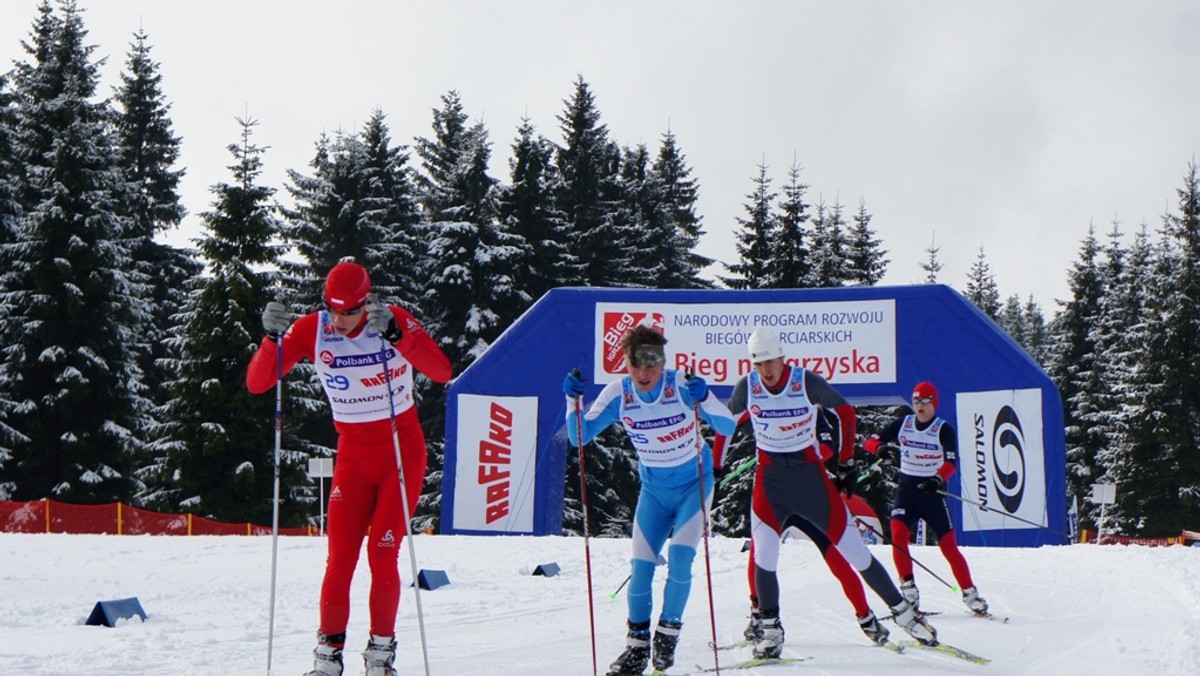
(365, 493)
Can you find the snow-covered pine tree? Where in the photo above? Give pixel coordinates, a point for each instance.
(149, 150)
(1164, 482)
(659, 257)
(71, 390)
(1072, 367)
(828, 253)
(528, 211)
(590, 193)
(865, 255)
(680, 192)
(469, 287)
(981, 287)
(215, 451)
(755, 238)
(788, 257)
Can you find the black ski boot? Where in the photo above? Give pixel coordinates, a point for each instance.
(327, 656)
(380, 655)
(666, 637)
(633, 661)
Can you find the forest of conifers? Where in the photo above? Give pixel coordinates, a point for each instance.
(124, 357)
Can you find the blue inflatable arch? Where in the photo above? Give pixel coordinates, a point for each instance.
(506, 447)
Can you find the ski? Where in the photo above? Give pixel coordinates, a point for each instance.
(946, 649)
(733, 646)
(754, 662)
(892, 646)
(989, 616)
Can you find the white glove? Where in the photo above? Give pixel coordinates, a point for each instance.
(276, 319)
(380, 316)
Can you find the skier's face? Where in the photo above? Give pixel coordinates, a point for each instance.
(923, 407)
(771, 371)
(347, 321)
(645, 377)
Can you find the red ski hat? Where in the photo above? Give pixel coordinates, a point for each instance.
(347, 286)
(925, 389)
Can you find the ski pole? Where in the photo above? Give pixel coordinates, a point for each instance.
(275, 500)
(613, 596)
(587, 548)
(712, 615)
(905, 552)
(1011, 516)
(412, 552)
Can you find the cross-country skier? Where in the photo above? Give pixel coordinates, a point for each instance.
(781, 403)
(346, 342)
(928, 458)
(829, 432)
(656, 410)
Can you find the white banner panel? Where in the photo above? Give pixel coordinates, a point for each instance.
(497, 461)
(846, 342)
(1001, 458)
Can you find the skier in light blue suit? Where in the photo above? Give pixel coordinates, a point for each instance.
(660, 416)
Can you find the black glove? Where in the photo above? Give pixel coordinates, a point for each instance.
(382, 320)
(847, 478)
(931, 485)
(276, 319)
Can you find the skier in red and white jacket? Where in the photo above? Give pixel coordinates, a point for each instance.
(350, 342)
(928, 458)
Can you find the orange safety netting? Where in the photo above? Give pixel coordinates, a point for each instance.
(116, 518)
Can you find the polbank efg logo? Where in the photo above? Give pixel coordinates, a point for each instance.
(1007, 461)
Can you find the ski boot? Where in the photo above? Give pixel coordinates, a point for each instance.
(327, 656)
(911, 594)
(873, 628)
(906, 616)
(666, 637)
(770, 640)
(974, 601)
(380, 655)
(633, 661)
(754, 629)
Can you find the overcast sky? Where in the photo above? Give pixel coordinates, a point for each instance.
(1010, 125)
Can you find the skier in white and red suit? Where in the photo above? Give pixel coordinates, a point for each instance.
(928, 458)
(346, 343)
(781, 402)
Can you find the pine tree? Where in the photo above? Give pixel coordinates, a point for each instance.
(788, 262)
(1036, 333)
(829, 251)
(149, 150)
(1073, 369)
(589, 195)
(865, 253)
(71, 391)
(932, 266)
(470, 288)
(215, 455)
(758, 233)
(680, 193)
(1163, 484)
(981, 287)
(528, 211)
(659, 257)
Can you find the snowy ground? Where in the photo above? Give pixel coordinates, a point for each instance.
(1081, 609)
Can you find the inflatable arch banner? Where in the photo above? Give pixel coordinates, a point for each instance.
(506, 445)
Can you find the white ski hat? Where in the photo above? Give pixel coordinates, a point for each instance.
(764, 345)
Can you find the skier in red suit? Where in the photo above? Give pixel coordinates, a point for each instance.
(350, 342)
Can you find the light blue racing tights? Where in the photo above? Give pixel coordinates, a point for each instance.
(661, 513)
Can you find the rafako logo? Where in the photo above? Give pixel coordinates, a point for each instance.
(1007, 462)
